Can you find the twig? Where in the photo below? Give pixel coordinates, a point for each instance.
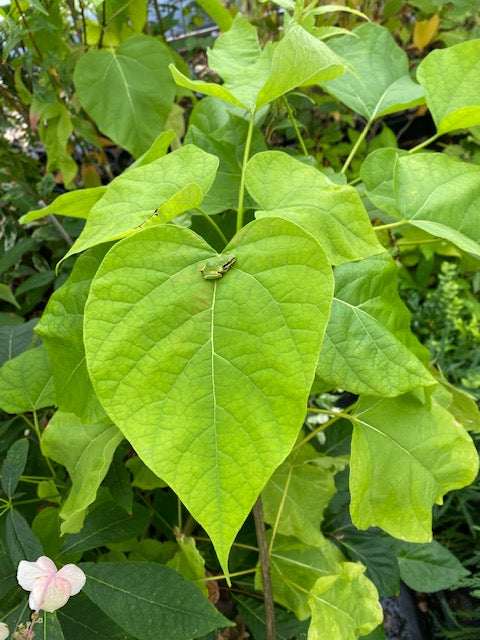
(259, 520)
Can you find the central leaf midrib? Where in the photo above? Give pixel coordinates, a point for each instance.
(214, 395)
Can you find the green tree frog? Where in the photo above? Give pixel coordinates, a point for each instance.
(216, 267)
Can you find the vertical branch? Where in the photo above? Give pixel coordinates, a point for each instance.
(103, 25)
(259, 520)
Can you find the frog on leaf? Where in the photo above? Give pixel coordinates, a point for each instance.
(216, 267)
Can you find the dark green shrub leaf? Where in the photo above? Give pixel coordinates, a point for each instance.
(150, 601)
(13, 466)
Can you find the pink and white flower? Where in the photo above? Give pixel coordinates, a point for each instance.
(50, 589)
(4, 632)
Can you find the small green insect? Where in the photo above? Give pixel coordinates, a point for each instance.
(216, 267)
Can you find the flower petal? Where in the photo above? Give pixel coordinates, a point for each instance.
(47, 565)
(4, 632)
(49, 593)
(74, 575)
(28, 572)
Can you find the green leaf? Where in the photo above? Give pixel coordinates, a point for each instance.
(449, 78)
(82, 620)
(46, 526)
(158, 149)
(379, 81)
(55, 129)
(143, 477)
(441, 196)
(106, 523)
(13, 466)
(459, 403)
(22, 543)
(256, 78)
(427, 567)
(200, 347)
(299, 60)
(216, 127)
(344, 606)
(7, 295)
(188, 562)
(297, 494)
(333, 214)
(86, 452)
(7, 575)
(150, 601)
(217, 12)
(14, 339)
(207, 88)
(26, 382)
(118, 479)
(368, 346)
(377, 173)
(61, 329)
(374, 552)
(75, 204)
(295, 568)
(235, 50)
(431, 191)
(156, 192)
(140, 90)
(405, 456)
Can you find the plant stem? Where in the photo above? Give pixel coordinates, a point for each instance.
(259, 520)
(424, 144)
(211, 221)
(39, 436)
(280, 510)
(336, 415)
(54, 220)
(231, 575)
(30, 34)
(355, 147)
(249, 547)
(103, 25)
(295, 126)
(246, 153)
(189, 526)
(390, 225)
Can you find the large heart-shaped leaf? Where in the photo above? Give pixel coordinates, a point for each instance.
(156, 192)
(452, 91)
(208, 379)
(333, 214)
(379, 81)
(128, 92)
(405, 456)
(368, 346)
